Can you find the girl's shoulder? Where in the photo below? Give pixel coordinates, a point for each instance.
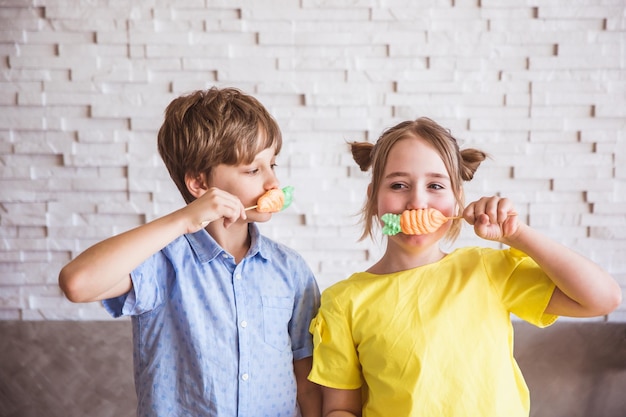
(481, 252)
(348, 285)
(494, 262)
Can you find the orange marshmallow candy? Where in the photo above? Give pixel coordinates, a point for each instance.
(271, 202)
(413, 222)
(421, 221)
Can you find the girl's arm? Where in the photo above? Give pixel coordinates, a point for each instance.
(103, 270)
(584, 289)
(341, 402)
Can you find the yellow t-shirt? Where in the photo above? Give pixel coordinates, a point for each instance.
(435, 340)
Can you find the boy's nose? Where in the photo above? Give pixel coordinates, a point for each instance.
(271, 181)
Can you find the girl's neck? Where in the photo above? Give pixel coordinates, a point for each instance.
(395, 260)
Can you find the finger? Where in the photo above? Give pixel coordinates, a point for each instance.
(510, 226)
(491, 209)
(235, 211)
(469, 213)
(497, 209)
(504, 208)
(242, 211)
(482, 223)
(485, 229)
(218, 204)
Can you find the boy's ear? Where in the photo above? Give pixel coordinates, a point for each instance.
(196, 184)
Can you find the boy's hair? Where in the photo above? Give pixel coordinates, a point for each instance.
(210, 127)
(461, 165)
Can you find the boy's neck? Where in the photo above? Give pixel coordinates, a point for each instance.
(235, 240)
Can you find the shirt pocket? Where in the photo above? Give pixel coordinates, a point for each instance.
(276, 316)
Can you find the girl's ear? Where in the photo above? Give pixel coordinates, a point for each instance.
(369, 197)
(460, 202)
(196, 184)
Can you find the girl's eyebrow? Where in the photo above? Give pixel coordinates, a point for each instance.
(439, 175)
(397, 174)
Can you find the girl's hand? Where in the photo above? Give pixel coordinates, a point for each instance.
(492, 219)
(212, 205)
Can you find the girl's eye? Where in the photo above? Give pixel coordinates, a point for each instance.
(436, 186)
(274, 166)
(397, 186)
(253, 171)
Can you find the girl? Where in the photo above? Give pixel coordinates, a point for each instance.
(428, 333)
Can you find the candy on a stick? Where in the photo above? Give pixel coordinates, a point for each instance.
(413, 222)
(416, 222)
(274, 200)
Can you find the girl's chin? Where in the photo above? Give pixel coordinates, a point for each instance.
(418, 239)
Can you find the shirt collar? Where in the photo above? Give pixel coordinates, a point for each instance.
(207, 249)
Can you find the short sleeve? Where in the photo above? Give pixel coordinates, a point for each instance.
(335, 358)
(525, 289)
(306, 304)
(146, 292)
(115, 306)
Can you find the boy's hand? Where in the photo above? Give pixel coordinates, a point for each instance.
(212, 205)
(493, 218)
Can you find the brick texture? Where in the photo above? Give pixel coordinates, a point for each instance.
(541, 86)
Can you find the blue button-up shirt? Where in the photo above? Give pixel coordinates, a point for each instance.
(216, 338)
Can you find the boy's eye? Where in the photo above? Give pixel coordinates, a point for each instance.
(253, 171)
(274, 166)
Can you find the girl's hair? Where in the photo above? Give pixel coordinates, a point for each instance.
(211, 127)
(461, 165)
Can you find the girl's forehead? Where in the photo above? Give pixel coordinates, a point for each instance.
(411, 148)
(413, 155)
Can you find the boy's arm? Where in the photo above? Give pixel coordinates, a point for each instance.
(584, 289)
(103, 270)
(309, 394)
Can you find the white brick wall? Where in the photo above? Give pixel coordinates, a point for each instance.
(541, 85)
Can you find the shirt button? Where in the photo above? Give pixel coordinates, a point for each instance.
(224, 255)
(245, 377)
(237, 276)
(244, 324)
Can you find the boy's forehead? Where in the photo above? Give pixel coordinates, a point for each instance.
(267, 153)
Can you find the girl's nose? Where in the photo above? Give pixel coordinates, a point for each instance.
(417, 200)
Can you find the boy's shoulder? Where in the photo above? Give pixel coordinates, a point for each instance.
(272, 248)
(280, 257)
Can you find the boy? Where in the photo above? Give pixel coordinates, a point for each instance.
(220, 313)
